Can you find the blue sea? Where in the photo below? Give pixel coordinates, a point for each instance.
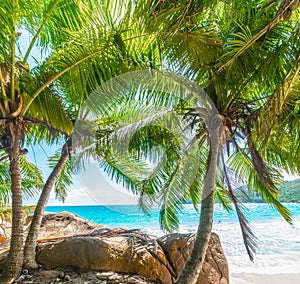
(278, 242)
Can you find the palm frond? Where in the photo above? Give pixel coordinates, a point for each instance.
(32, 180)
(64, 180)
(254, 38)
(277, 103)
(249, 238)
(243, 164)
(222, 197)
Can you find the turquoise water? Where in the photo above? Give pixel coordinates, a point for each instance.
(278, 242)
(130, 216)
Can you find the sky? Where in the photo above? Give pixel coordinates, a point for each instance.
(90, 187)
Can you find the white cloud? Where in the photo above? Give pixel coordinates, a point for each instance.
(92, 187)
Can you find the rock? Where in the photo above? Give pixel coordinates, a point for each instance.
(67, 277)
(215, 268)
(123, 256)
(5, 231)
(49, 274)
(126, 251)
(25, 271)
(64, 224)
(176, 248)
(61, 275)
(128, 254)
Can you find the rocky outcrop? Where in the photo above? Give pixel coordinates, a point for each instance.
(67, 240)
(94, 247)
(65, 224)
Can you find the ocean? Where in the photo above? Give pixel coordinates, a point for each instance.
(278, 242)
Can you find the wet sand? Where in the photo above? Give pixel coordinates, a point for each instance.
(253, 278)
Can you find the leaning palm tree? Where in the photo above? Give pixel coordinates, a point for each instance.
(124, 50)
(183, 173)
(245, 93)
(241, 103)
(175, 183)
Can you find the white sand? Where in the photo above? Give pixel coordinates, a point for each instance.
(253, 278)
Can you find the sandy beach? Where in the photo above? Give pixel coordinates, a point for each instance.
(252, 278)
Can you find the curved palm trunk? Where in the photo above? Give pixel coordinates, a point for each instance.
(14, 261)
(30, 244)
(193, 266)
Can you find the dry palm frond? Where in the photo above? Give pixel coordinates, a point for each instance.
(249, 238)
(265, 185)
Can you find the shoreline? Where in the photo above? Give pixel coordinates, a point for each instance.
(256, 278)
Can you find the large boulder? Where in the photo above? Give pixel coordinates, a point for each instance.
(94, 247)
(177, 248)
(128, 254)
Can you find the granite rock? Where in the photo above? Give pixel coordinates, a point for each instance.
(104, 248)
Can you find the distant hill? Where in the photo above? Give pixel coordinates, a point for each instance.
(290, 192)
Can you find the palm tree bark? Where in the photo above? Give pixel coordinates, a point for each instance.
(30, 244)
(14, 261)
(193, 266)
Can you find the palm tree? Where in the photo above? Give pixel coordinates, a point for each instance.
(175, 181)
(60, 171)
(248, 96)
(241, 115)
(124, 51)
(17, 113)
(29, 96)
(32, 182)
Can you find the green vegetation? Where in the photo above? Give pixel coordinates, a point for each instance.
(289, 192)
(243, 54)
